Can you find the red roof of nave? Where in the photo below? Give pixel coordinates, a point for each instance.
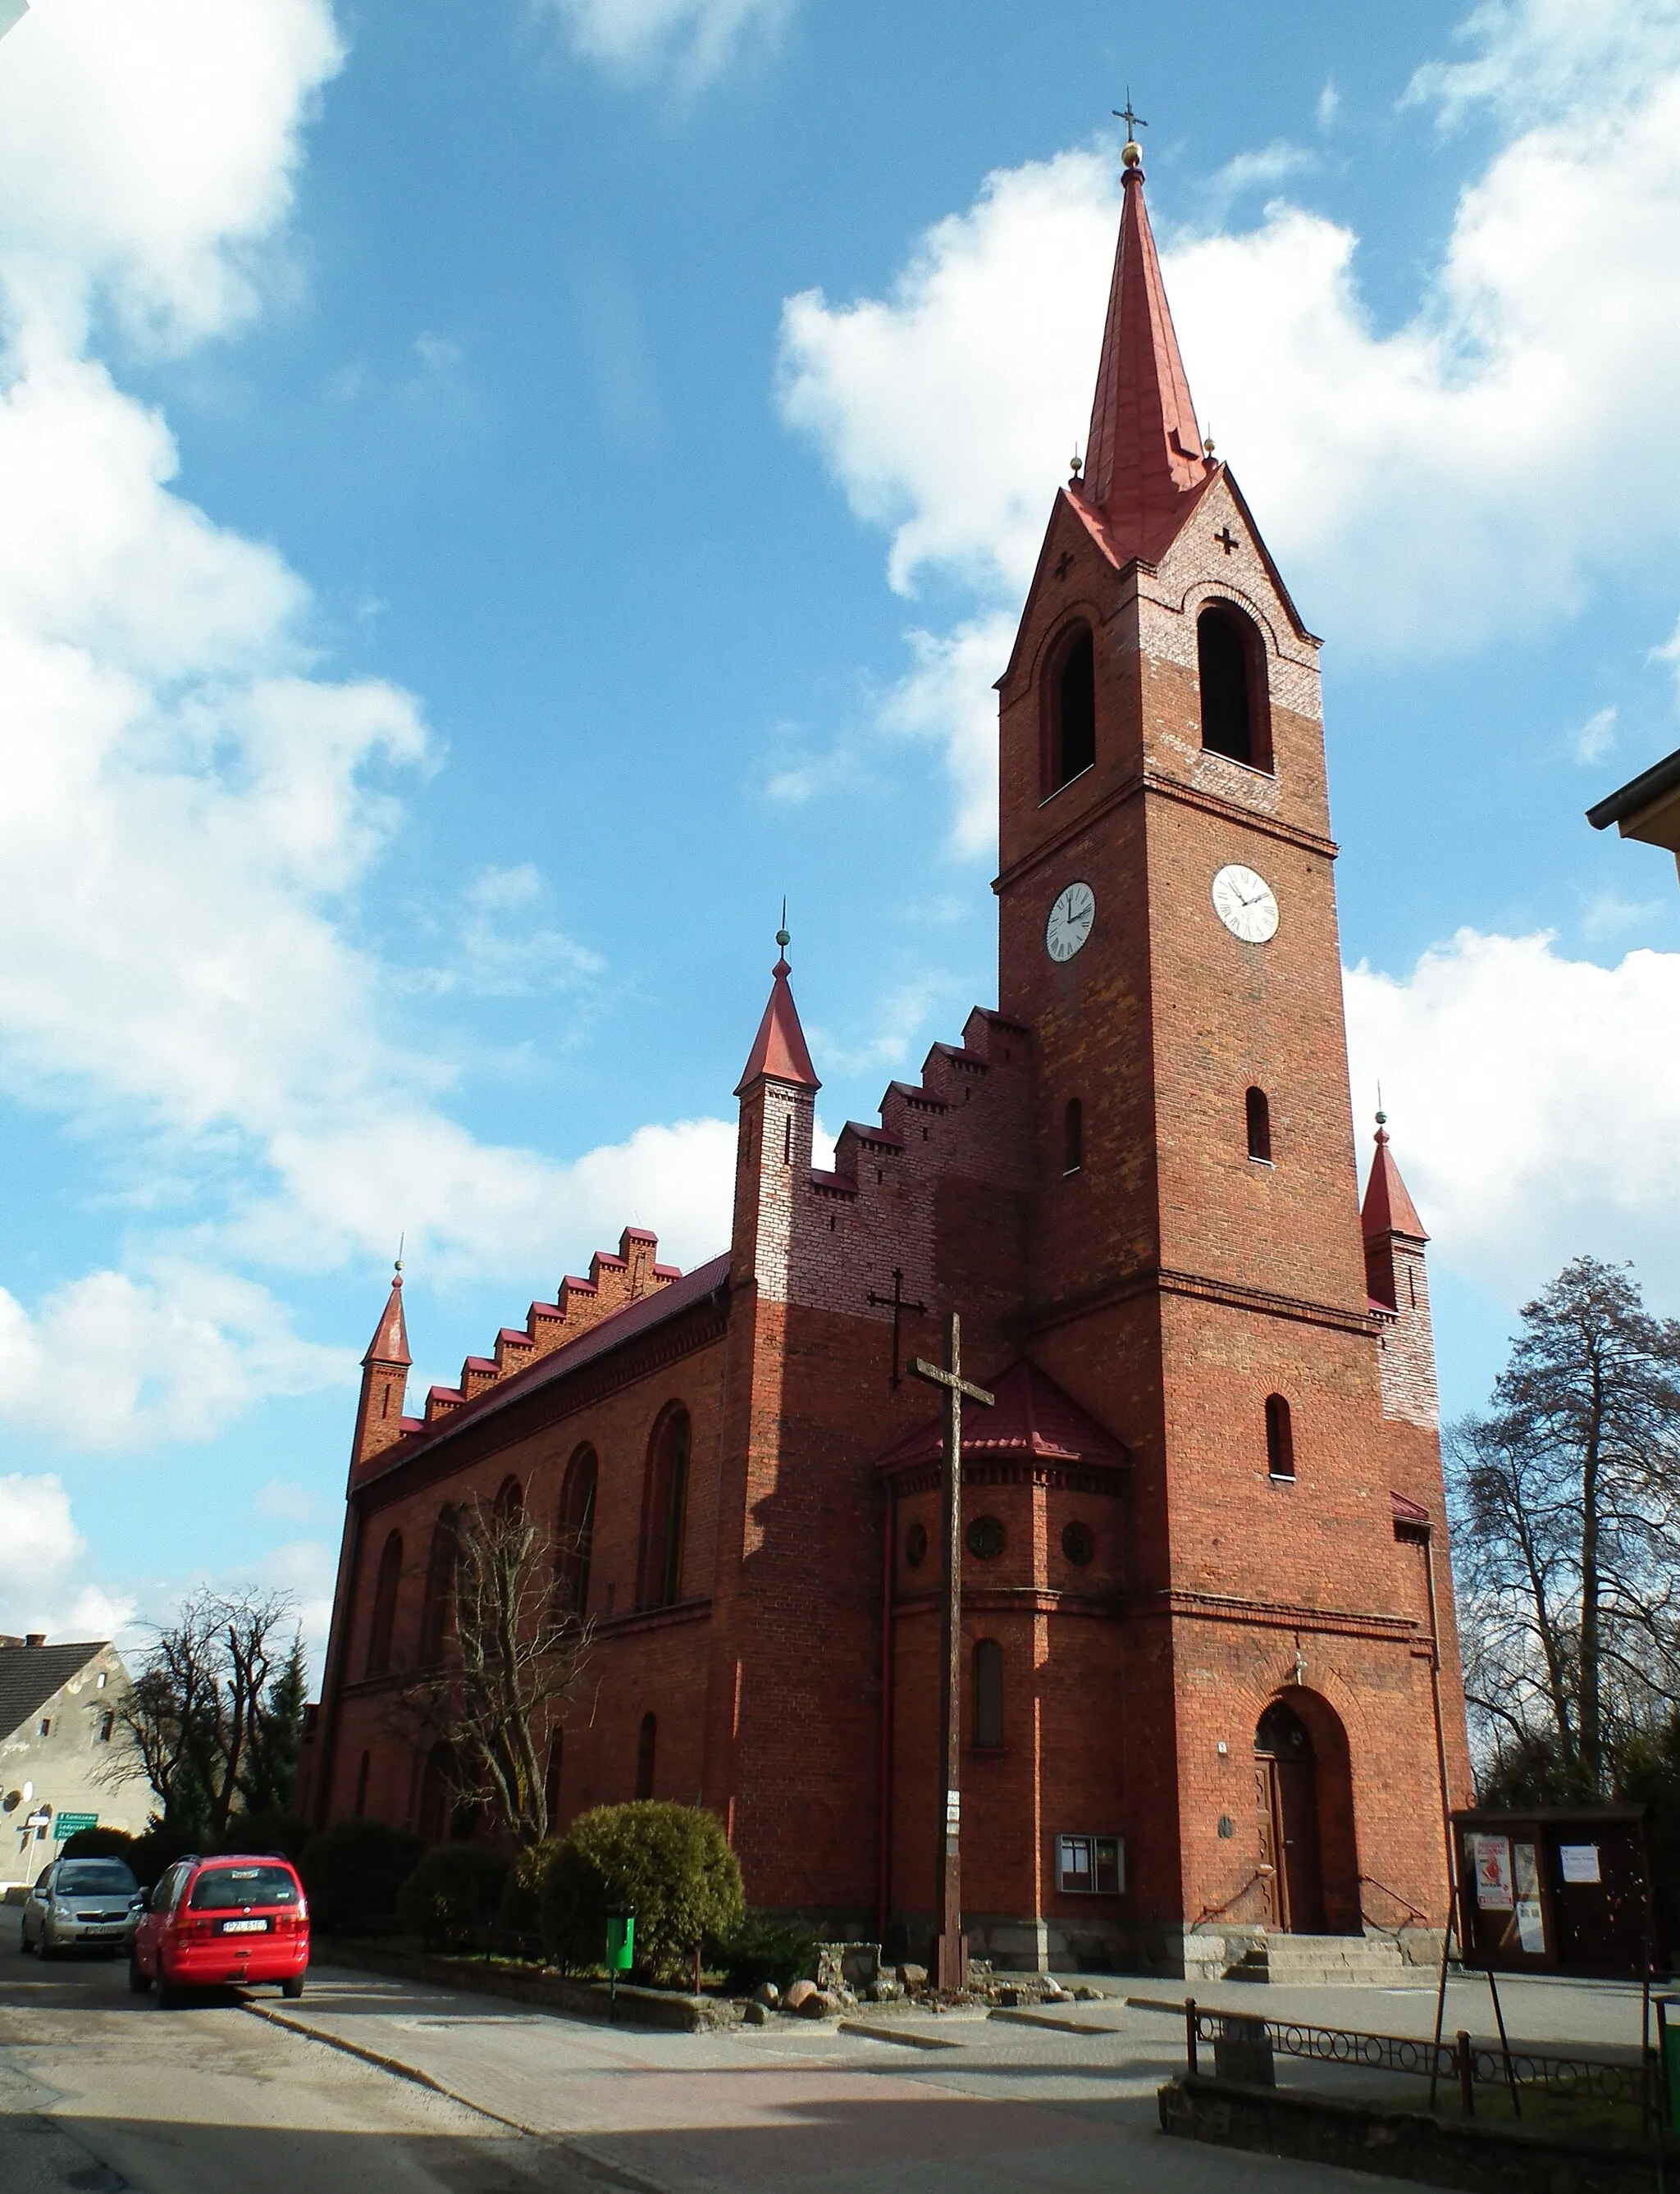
(1145, 468)
(389, 1344)
(1388, 1209)
(1032, 1417)
(778, 1049)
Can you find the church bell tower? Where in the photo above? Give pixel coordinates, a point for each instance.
(1197, 1271)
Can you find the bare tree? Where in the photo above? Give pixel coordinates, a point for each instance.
(497, 1700)
(200, 1707)
(1567, 1497)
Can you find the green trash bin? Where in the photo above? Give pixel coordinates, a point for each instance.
(620, 1951)
(1668, 2045)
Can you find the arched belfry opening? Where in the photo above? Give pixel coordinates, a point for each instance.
(1070, 708)
(1231, 674)
(1304, 1795)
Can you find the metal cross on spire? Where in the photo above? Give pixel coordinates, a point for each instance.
(950, 1965)
(1134, 122)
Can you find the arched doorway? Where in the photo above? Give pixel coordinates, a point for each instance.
(1286, 1793)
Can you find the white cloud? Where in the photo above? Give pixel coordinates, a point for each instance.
(501, 949)
(282, 1503)
(947, 697)
(694, 38)
(1329, 104)
(1597, 736)
(1534, 1105)
(40, 1551)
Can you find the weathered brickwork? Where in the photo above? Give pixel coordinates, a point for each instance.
(1210, 1490)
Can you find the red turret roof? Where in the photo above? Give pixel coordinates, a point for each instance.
(1144, 469)
(389, 1344)
(1387, 1208)
(778, 1048)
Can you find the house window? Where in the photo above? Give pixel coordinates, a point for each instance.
(1090, 1866)
(384, 1607)
(510, 1501)
(1070, 743)
(1279, 1437)
(1078, 1543)
(365, 1764)
(1231, 670)
(439, 1589)
(551, 1780)
(46, 1727)
(916, 1545)
(988, 1696)
(1259, 1127)
(985, 1538)
(108, 1723)
(645, 1744)
(1072, 1136)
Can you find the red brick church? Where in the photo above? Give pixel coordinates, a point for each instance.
(1211, 1675)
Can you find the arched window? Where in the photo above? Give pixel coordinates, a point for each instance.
(509, 1499)
(1231, 667)
(1072, 1136)
(576, 1532)
(1070, 725)
(1279, 1437)
(432, 1822)
(439, 1589)
(551, 1780)
(644, 1756)
(988, 1696)
(1259, 1126)
(665, 1511)
(362, 1771)
(384, 1608)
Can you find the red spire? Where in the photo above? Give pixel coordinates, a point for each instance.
(389, 1344)
(1144, 465)
(1387, 1208)
(778, 1048)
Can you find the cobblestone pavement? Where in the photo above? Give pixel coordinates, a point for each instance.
(389, 2088)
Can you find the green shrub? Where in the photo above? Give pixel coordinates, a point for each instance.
(455, 1886)
(152, 1855)
(265, 1832)
(352, 1872)
(671, 1864)
(100, 1843)
(520, 1908)
(762, 1948)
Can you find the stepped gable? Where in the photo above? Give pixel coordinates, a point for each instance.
(680, 1292)
(613, 1283)
(1032, 1421)
(951, 1075)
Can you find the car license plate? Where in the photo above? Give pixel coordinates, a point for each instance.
(245, 1926)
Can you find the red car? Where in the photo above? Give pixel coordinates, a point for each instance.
(212, 1922)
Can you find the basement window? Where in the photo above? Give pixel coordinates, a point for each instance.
(1090, 1866)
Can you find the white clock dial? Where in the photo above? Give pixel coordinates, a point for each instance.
(1070, 921)
(1244, 902)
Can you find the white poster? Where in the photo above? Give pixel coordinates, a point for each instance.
(1490, 1856)
(1531, 1929)
(1580, 1861)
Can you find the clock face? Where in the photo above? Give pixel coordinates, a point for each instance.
(1070, 921)
(1244, 902)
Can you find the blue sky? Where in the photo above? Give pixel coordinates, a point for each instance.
(496, 495)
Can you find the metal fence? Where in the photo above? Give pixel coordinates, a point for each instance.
(1460, 2063)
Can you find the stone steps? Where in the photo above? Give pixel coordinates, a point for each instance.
(1319, 1960)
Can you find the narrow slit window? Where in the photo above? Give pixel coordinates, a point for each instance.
(1259, 1127)
(988, 1696)
(645, 1744)
(365, 1764)
(1231, 671)
(1279, 1437)
(1073, 1136)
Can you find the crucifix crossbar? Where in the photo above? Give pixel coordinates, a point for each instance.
(950, 1964)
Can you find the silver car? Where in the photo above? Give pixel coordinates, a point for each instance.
(90, 1902)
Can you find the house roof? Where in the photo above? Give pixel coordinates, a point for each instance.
(778, 1050)
(1032, 1419)
(611, 1332)
(389, 1344)
(30, 1674)
(1647, 807)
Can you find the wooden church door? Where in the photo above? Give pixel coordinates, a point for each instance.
(1285, 1780)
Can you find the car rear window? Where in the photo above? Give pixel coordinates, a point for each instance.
(96, 1877)
(225, 1888)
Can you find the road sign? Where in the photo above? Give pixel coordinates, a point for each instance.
(69, 1824)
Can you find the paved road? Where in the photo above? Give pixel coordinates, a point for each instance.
(100, 2090)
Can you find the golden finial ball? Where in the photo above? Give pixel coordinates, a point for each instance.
(1132, 153)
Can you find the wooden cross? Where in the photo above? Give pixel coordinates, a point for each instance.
(1226, 538)
(898, 1302)
(950, 1962)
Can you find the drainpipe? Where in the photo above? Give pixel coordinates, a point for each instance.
(884, 1853)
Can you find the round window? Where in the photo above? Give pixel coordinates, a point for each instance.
(1077, 1542)
(985, 1538)
(916, 1545)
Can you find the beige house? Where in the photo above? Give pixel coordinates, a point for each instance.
(1647, 808)
(59, 1733)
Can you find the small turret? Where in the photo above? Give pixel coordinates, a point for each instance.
(379, 1419)
(778, 1091)
(1396, 1279)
